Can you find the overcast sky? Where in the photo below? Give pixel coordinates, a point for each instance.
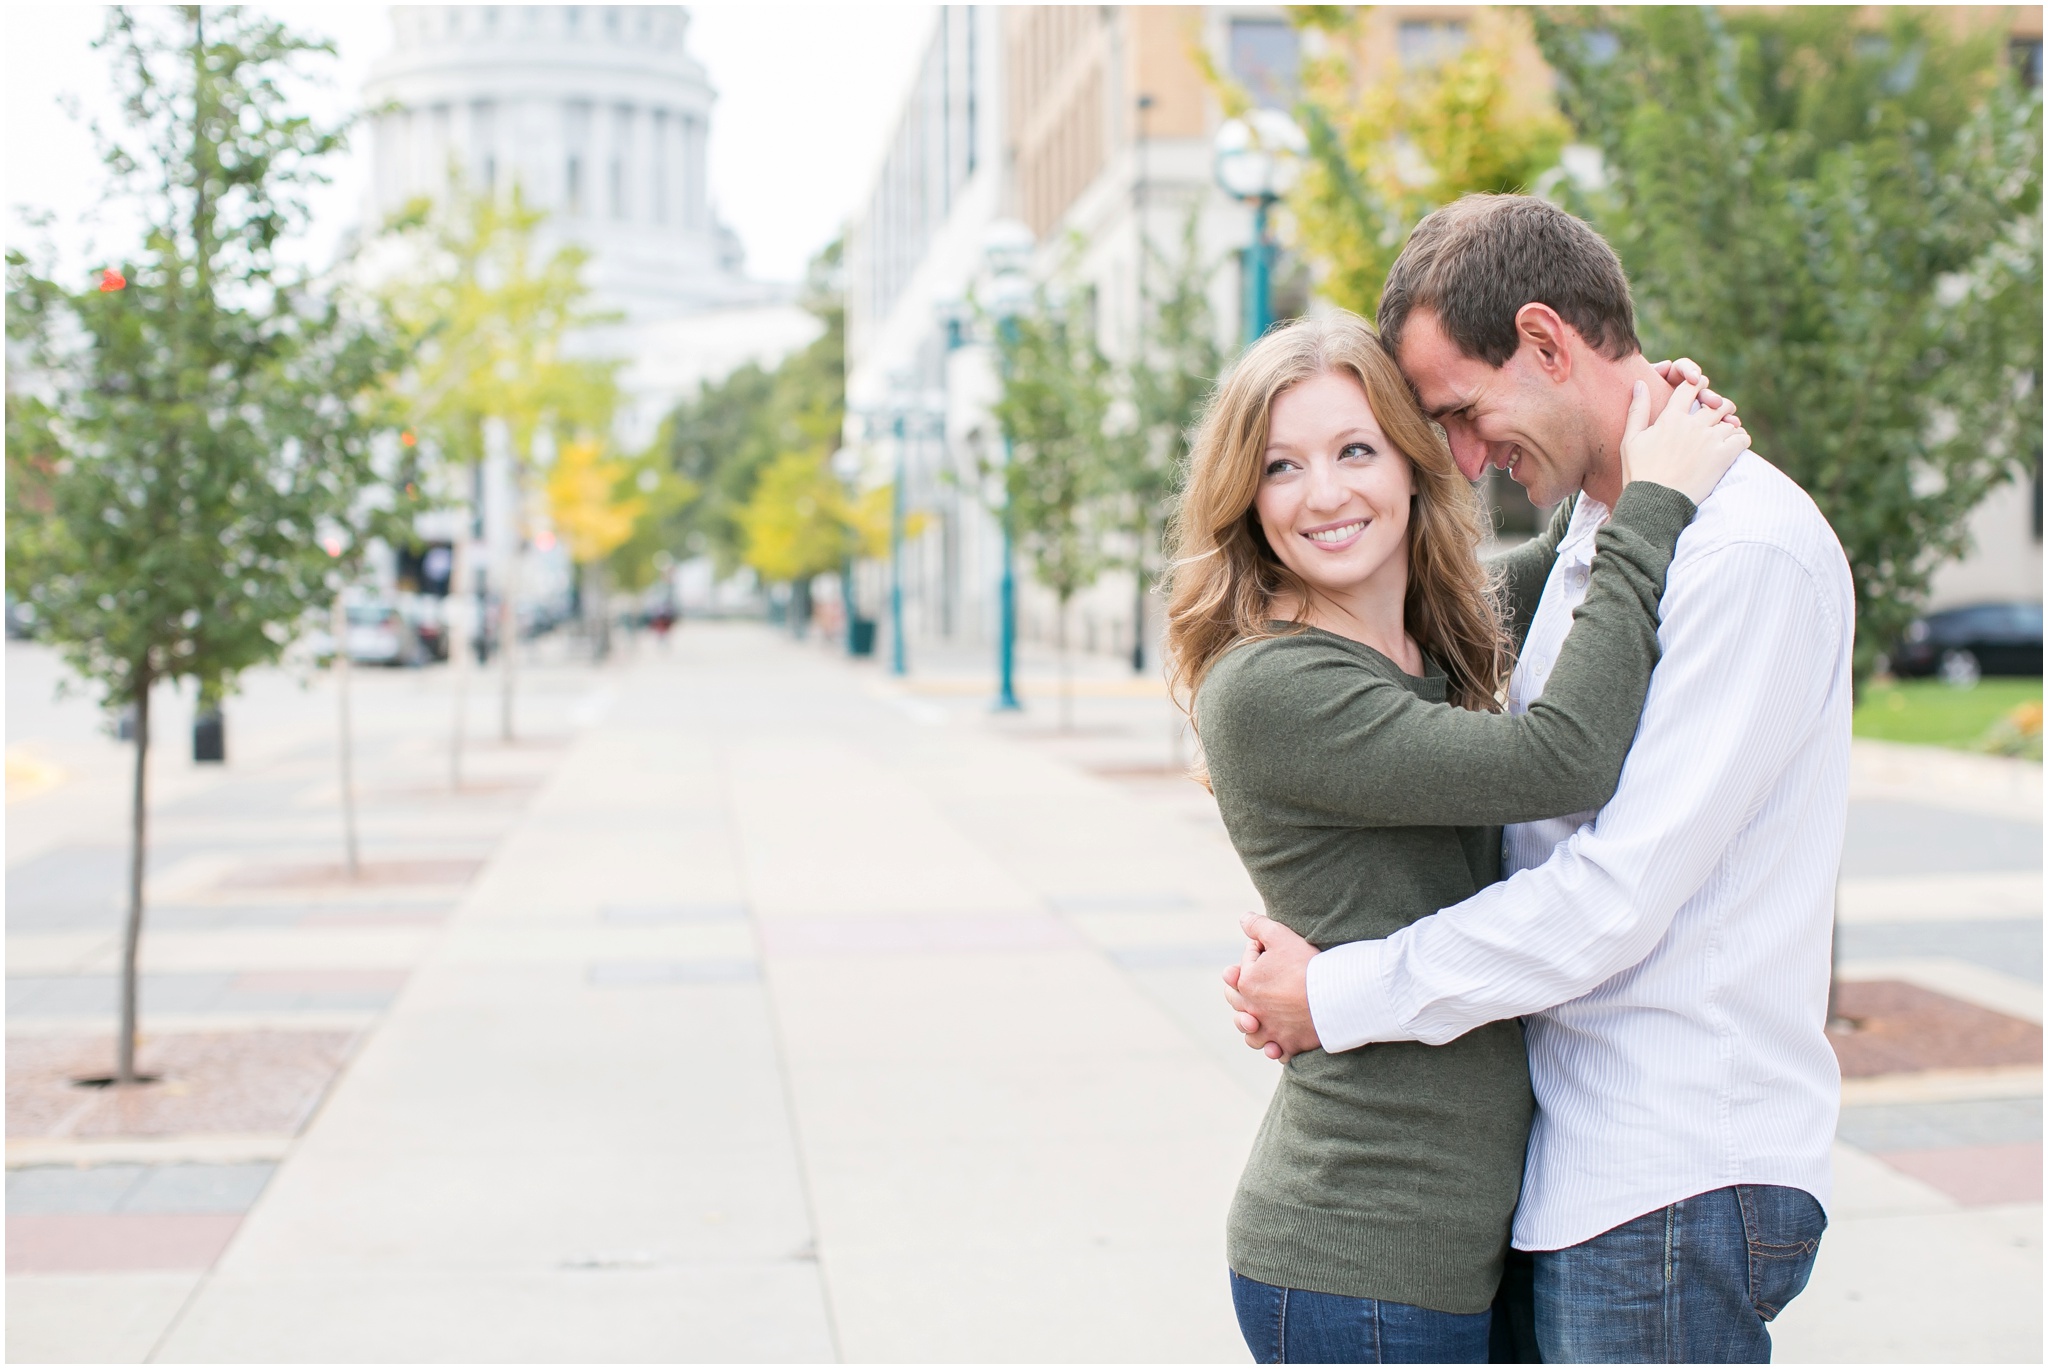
(807, 96)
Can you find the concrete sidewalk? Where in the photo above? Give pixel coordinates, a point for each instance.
(775, 1031)
(803, 1014)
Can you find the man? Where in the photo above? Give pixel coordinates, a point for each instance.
(1669, 954)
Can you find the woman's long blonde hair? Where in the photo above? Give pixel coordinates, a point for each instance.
(1225, 579)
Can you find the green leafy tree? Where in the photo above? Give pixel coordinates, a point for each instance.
(723, 441)
(1055, 409)
(1166, 381)
(196, 425)
(1387, 145)
(1842, 223)
(490, 324)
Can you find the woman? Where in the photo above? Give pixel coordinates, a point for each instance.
(1342, 652)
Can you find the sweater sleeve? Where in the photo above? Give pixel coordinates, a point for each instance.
(1323, 742)
(1525, 569)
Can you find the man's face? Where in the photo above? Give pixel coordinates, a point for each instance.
(1516, 416)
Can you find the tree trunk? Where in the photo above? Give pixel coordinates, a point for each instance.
(800, 607)
(348, 765)
(1066, 669)
(597, 608)
(1138, 621)
(457, 607)
(508, 615)
(131, 934)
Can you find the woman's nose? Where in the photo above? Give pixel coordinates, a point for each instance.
(1325, 490)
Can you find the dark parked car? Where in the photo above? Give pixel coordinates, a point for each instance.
(1959, 644)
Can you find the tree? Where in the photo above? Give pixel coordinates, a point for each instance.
(1388, 145)
(1055, 411)
(596, 502)
(490, 327)
(723, 441)
(802, 523)
(1167, 381)
(199, 422)
(1860, 268)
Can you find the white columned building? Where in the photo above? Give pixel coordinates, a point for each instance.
(601, 117)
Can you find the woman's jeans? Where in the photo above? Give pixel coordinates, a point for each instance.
(1290, 1326)
(1692, 1283)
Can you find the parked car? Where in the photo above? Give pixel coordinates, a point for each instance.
(379, 635)
(21, 619)
(1959, 644)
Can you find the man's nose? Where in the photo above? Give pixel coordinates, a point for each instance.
(1468, 452)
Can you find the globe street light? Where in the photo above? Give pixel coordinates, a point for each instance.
(1006, 249)
(1258, 159)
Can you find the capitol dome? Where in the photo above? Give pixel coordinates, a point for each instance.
(598, 113)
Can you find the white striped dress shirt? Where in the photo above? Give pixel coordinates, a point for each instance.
(1669, 954)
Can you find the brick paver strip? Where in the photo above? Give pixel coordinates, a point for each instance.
(101, 1242)
(264, 1083)
(1903, 1027)
(1976, 1175)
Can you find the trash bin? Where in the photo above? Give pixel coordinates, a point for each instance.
(860, 637)
(209, 736)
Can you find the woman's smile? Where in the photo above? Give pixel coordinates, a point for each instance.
(1337, 536)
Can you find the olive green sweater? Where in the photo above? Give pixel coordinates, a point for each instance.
(1360, 801)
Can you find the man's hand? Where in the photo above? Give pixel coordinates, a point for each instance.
(1269, 990)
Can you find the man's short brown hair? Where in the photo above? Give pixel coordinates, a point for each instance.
(1476, 261)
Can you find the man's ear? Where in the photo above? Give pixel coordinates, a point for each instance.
(1545, 341)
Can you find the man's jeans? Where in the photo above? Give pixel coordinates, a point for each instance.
(1292, 1326)
(1692, 1283)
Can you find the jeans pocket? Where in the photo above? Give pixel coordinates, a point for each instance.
(1783, 1227)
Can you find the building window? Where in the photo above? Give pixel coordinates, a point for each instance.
(2026, 59)
(483, 143)
(2037, 494)
(576, 137)
(1425, 42)
(622, 151)
(659, 180)
(1265, 57)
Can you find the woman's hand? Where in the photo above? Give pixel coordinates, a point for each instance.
(1687, 448)
(1684, 369)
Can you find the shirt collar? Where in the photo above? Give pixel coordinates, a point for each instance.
(1588, 516)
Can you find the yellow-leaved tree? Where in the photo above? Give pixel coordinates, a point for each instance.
(596, 504)
(802, 522)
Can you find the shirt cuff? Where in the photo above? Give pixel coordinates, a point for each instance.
(1350, 996)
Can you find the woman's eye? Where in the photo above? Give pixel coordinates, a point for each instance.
(1359, 449)
(1279, 467)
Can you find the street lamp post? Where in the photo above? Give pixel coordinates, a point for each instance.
(896, 662)
(1258, 159)
(1006, 249)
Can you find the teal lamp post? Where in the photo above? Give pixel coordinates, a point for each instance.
(897, 665)
(1258, 159)
(1006, 251)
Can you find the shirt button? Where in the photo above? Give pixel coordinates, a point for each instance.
(1579, 576)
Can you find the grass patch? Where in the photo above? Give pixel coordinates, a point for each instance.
(1991, 715)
